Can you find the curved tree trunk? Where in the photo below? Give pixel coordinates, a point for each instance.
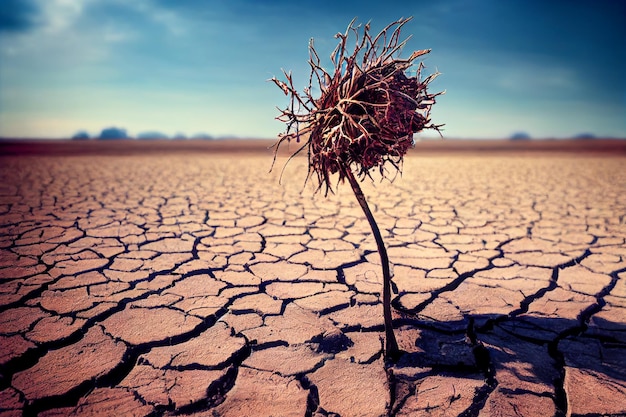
(392, 352)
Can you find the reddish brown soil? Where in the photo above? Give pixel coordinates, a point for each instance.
(154, 278)
(131, 147)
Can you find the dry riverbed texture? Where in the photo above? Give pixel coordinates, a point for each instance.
(196, 284)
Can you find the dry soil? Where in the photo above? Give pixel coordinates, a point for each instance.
(159, 280)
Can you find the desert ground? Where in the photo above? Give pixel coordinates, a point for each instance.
(148, 279)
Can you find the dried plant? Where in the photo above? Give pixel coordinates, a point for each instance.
(367, 111)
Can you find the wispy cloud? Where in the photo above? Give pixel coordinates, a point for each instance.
(60, 15)
(173, 22)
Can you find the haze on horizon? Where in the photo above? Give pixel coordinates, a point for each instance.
(547, 68)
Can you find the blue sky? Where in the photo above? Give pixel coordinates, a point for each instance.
(548, 68)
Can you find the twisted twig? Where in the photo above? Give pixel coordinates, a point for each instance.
(368, 109)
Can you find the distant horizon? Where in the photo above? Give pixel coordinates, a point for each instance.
(234, 137)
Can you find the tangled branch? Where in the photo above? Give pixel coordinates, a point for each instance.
(368, 109)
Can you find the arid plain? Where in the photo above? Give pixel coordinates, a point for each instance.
(180, 278)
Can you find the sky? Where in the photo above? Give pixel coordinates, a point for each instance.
(551, 69)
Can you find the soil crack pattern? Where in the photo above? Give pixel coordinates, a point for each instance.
(196, 284)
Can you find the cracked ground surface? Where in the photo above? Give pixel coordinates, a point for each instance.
(197, 284)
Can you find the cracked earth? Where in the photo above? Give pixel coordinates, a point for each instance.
(197, 284)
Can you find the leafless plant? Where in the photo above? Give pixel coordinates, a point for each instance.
(367, 111)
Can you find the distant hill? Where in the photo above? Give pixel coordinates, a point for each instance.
(152, 135)
(520, 136)
(113, 133)
(585, 136)
(81, 135)
(203, 136)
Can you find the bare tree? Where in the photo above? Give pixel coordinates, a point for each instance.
(367, 111)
